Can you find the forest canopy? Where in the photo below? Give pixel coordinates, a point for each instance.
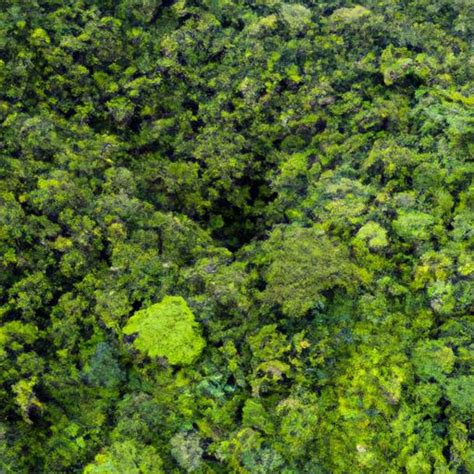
(166, 329)
(236, 236)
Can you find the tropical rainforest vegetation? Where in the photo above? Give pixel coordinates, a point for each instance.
(236, 236)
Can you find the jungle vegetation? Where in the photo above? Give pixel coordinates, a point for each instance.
(236, 236)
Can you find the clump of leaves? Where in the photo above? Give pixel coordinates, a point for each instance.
(167, 329)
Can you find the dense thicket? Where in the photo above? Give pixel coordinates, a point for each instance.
(236, 236)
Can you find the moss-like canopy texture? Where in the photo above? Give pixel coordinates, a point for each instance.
(167, 329)
(298, 172)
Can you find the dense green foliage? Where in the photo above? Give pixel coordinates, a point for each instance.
(166, 330)
(236, 236)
